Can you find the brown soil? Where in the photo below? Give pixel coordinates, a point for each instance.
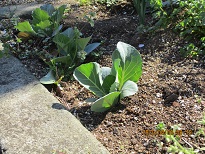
(167, 88)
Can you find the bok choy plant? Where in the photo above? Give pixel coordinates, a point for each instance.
(112, 84)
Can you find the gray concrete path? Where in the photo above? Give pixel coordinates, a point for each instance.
(32, 121)
(18, 10)
(26, 9)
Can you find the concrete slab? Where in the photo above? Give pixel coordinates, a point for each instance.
(26, 9)
(32, 121)
(18, 10)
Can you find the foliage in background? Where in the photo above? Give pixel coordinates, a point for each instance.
(6, 34)
(187, 18)
(112, 84)
(140, 6)
(45, 23)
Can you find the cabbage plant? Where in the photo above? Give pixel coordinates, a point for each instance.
(72, 50)
(112, 84)
(45, 23)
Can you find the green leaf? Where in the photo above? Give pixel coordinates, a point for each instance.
(107, 83)
(49, 8)
(106, 102)
(57, 16)
(25, 27)
(82, 42)
(48, 79)
(69, 32)
(62, 41)
(57, 30)
(128, 89)
(43, 24)
(64, 59)
(39, 15)
(108, 79)
(130, 65)
(89, 75)
(89, 48)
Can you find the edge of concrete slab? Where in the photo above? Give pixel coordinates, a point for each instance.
(24, 9)
(32, 120)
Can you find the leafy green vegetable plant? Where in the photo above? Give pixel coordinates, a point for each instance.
(45, 23)
(112, 84)
(72, 51)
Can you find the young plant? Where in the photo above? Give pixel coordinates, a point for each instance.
(71, 51)
(161, 126)
(112, 84)
(45, 23)
(176, 146)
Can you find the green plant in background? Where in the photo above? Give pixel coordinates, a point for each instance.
(71, 51)
(112, 84)
(4, 49)
(90, 18)
(176, 147)
(161, 126)
(140, 6)
(108, 3)
(187, 18)
(45, 23)
(85, 2)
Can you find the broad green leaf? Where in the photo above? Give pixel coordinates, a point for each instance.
(43, 24)
(48, 79)
(107, 83)
(82, 42)
(128, 89)
(39, 15)
(106, 102)
(69, 32)
(130, 66)
(25, 27)
(48, 8)
(108, 79)
(89, 48)
(57, 30)
(62, 41)
(89, 75)
(57, 16)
